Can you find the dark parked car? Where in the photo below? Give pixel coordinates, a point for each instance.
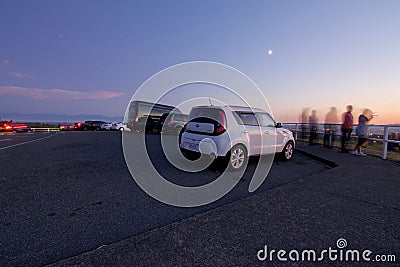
(79, 126)
(150, 124)
(66, 127)
(88, 125)
(9, 126)
(173, 122)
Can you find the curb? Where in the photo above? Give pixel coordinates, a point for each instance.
(325, 161)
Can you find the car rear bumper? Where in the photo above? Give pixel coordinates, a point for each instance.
(219, 145)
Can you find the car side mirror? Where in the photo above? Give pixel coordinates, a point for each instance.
(278, 125)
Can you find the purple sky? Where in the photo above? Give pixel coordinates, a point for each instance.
(75, 57)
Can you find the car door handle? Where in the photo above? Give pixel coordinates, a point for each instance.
(267, 132)
(244, 131)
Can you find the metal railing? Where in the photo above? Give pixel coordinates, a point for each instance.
(331, 131)
(42, 130)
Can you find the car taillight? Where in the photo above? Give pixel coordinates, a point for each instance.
(220, 129)
(137, 119)
(170, 122)
(223, 121)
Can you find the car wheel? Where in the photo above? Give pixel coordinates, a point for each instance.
(121, 129)
(287, 151)
(238, 158)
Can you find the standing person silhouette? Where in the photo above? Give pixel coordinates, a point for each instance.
(313, 121)
(347, 128)
(362, 131)
(304, 121)
(330, 127)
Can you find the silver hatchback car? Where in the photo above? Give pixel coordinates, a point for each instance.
(234, 132)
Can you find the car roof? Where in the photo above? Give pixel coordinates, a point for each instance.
(234, 108)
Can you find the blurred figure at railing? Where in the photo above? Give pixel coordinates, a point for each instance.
(362, 131)
(394, 146)
(330, 128)
(347, 128)
(304, 121)
(313, 121)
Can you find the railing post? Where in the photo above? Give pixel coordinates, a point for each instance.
(330, 136)
(385, 141)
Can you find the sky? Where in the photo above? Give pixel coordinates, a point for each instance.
(89, 57)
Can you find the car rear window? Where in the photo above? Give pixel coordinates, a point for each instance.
(215, 114)
(180, 117)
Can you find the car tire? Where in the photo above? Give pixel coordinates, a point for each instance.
(237, 158)
(287, 151)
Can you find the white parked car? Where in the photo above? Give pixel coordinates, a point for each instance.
(120, 126)
(106, 126)
(235, 133)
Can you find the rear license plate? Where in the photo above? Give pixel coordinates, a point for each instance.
(192, 147)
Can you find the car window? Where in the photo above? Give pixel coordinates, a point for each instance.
(217, 115)
(180, 117)
(265, 120)
(246, 118)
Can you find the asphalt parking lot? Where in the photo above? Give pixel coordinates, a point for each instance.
(65, 193)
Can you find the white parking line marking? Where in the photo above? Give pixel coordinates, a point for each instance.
(27, 142)
(2, 140)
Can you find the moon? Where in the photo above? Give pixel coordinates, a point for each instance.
(270, 52)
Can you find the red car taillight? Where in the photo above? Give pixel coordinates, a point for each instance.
(221, 128)
(170, 122)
